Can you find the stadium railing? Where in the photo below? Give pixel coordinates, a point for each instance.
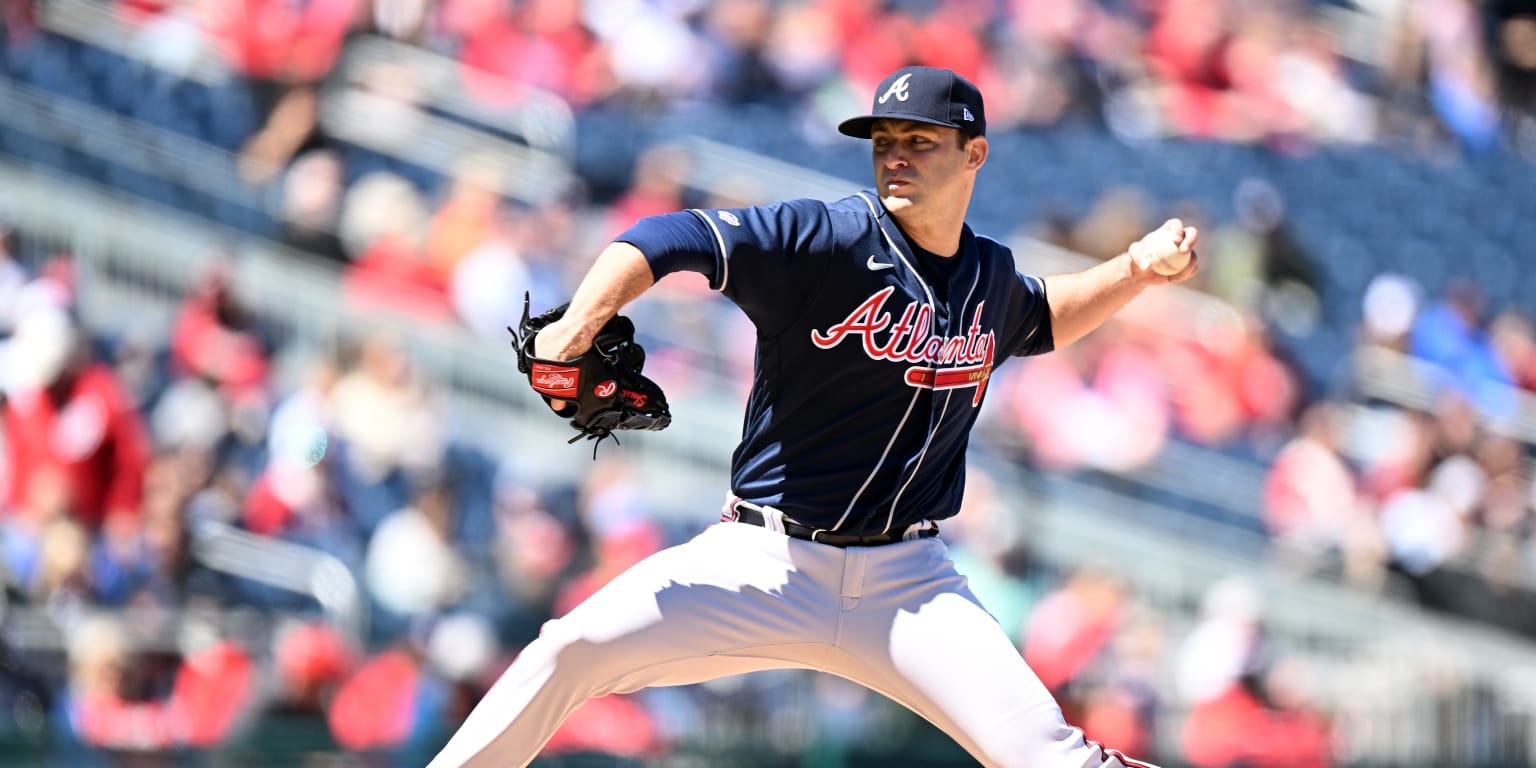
(100, 25)
(85, 139)
(437, 125)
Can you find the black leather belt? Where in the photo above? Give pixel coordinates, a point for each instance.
(745, 514)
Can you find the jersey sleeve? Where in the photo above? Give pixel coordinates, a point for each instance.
(673, 242)
(768, 257)
(1029, 318)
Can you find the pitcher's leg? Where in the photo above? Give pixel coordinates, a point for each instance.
(931, 646)
(689, 613)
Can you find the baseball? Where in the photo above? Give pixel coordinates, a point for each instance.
(1162, 249)
(1166, 257)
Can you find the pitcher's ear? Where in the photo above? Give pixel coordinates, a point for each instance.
(976, 151)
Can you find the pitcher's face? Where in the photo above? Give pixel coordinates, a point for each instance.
(918, 163)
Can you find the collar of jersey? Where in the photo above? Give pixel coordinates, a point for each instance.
(969, 268)
(898, 238)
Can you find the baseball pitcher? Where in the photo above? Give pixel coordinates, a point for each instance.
(880, 319)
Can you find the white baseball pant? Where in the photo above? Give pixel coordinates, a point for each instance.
(898, 619)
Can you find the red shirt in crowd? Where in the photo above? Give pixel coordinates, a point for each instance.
(282, 39)
(376, 707)
(391, 276)
(1236, 729)
(212, 689)
(90, 430)
(204, 344)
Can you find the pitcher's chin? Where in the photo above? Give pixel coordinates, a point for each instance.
(895, 200)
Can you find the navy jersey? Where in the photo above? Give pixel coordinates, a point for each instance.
(869, 371)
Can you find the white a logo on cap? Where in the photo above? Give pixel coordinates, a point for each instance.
(897, 89)
(969, 118)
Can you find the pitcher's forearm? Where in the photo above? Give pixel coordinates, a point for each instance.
(618, 277)
(1082, 301)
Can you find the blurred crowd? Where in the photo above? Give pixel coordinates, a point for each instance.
(1287, 73)
(1432, 497)
(121, 452)
(122, 457)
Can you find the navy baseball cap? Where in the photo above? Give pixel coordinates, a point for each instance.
(927, 95)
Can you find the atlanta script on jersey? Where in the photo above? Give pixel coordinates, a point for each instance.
(871, 362)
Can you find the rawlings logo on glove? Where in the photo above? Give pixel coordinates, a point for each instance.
(603, 387)
(556, 381)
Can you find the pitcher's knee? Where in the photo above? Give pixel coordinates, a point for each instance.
(564, 643)
(576, 659)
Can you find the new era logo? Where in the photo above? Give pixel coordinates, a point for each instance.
(966, 113)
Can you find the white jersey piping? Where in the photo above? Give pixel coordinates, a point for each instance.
(890, 517)
(725, 260)
(928, 291)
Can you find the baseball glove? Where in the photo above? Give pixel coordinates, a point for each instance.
(603, 384)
